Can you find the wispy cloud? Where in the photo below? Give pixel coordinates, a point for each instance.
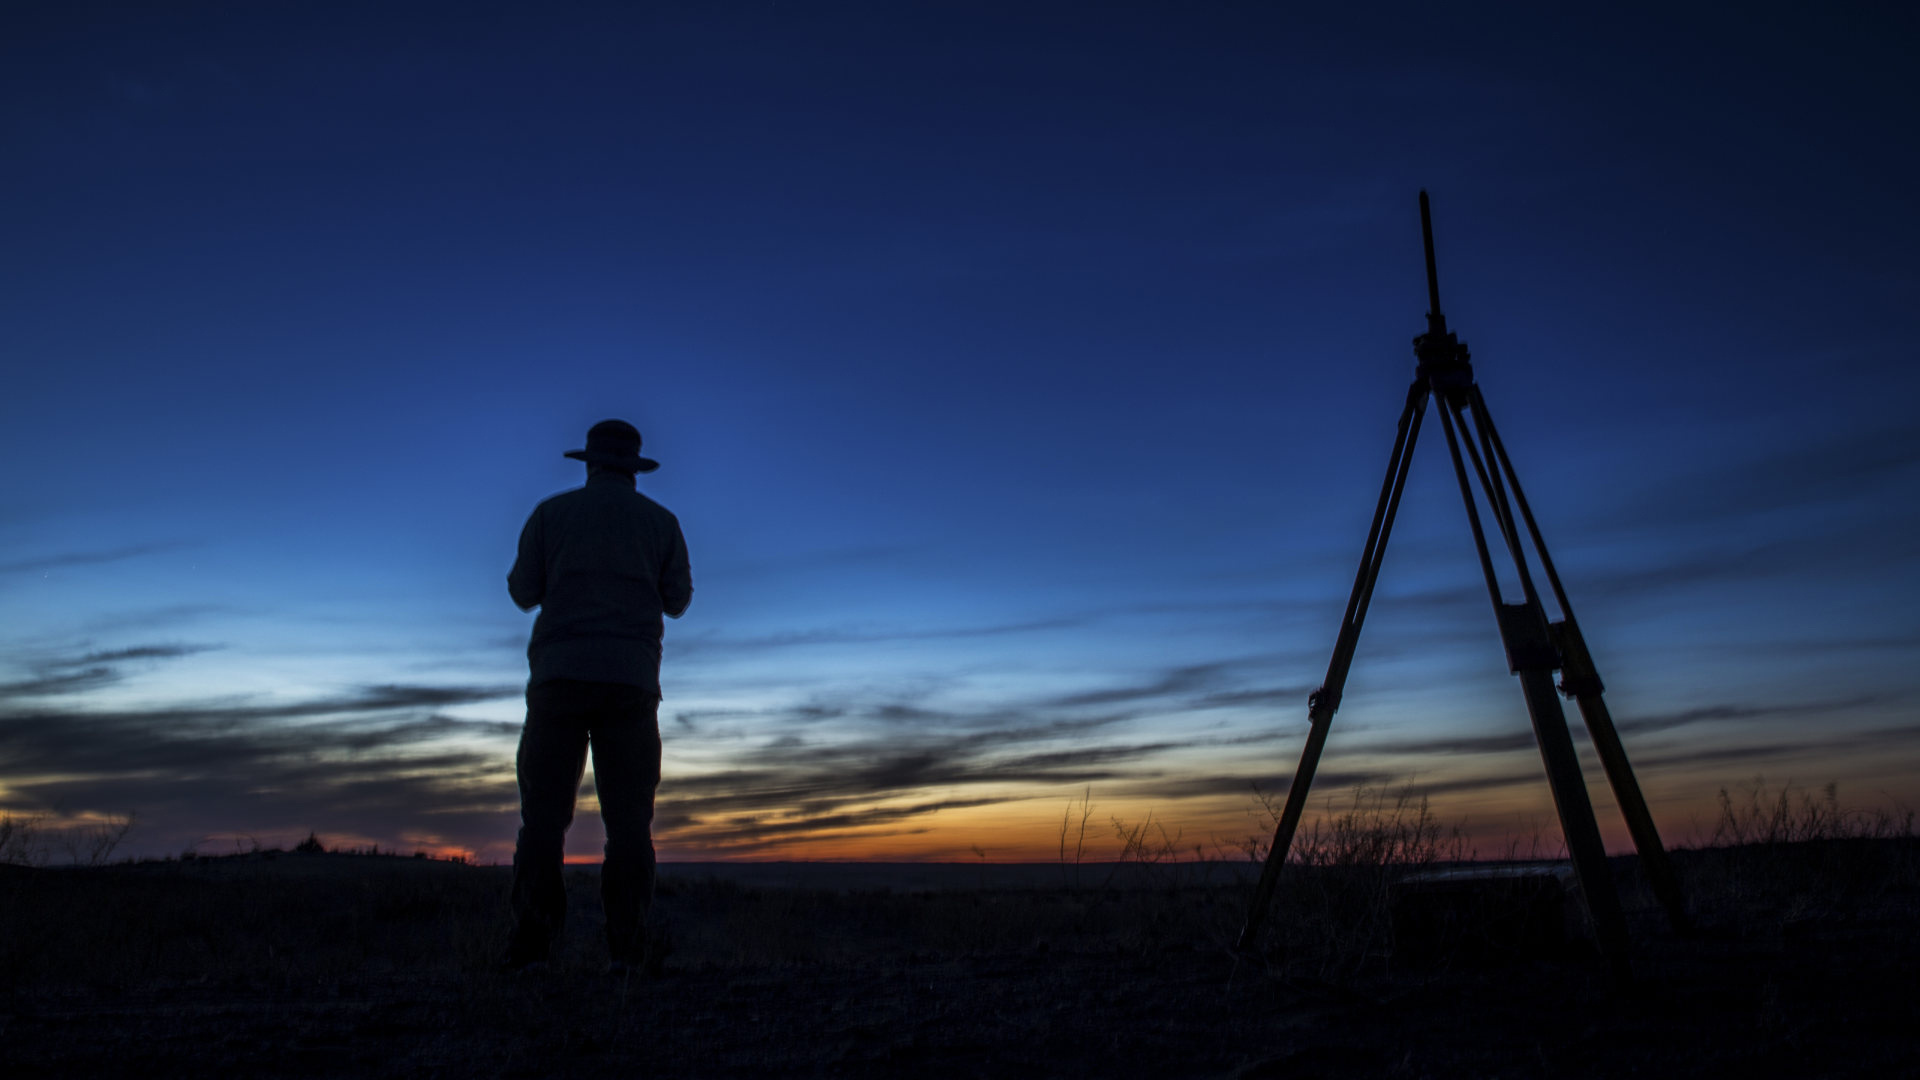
(40, 563)
(908, 757)
(787, 783)
(1184, 679)
(387, 759)
(1273, 783)
(1739, 558)
(383, 758)
(369, 760)
(807, 563)
(1728, 712)
(1803, 645)
(78, 673)
(364, 771)
(1836, 467)
(158, 618)
(1504, 743)
(705, 644)
(143, 652)
(57, 681)
(1899, 739)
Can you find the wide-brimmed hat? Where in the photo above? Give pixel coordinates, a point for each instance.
(615, 444)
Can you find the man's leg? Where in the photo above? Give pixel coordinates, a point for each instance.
(626, 772)
(553, 753)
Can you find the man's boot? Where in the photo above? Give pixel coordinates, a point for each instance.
(626, 893)
(539, 902)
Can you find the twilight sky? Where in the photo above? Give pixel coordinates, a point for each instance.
(1022, 374)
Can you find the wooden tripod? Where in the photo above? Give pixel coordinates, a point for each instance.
(1536, 647)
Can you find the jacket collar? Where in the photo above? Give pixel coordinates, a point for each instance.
(610, 479)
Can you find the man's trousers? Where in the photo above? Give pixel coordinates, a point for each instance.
(621, 724)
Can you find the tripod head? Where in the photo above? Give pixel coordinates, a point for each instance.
(1443, 359)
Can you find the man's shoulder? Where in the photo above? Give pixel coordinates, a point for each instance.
(653, 510)
(652, 506)
(560, 501)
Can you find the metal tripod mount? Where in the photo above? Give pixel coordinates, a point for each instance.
(1536, 647)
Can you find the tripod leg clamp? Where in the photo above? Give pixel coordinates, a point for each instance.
(1321, 705)
(1578, 677)
(1523, 630)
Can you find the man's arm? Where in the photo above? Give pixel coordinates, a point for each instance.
(676, 577)
(527, 581)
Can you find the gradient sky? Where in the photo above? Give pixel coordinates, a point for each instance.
(1022, 375)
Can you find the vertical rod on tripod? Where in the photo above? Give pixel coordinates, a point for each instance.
(1581, 680)
(1433, 275)
(1325, 701)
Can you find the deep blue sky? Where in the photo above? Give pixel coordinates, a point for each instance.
(1023, 377)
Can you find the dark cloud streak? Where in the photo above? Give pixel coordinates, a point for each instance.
(90, 558)
(707, 644)
(1842, 466)
(89, 671)
(1723, 713)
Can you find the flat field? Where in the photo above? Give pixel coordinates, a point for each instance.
(370, 966)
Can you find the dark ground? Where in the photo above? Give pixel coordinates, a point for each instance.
(380, 966)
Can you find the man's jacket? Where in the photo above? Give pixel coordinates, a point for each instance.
(603, 563)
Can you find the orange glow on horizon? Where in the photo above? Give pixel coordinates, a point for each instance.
(1481, 810)
(1515, 820)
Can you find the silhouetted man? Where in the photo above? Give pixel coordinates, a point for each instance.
(603, 563)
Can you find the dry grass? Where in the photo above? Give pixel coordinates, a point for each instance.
(1794, 815)
(21, 841)
(1332, 918)
(31, 841)
(1780, 859)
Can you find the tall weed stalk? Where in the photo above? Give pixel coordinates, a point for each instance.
(1783, 857)
(1333, 915)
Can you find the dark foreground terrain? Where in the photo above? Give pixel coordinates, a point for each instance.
(292, 965)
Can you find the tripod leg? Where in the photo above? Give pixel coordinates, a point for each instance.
(1323, 703)
(1319, 721)
(1584, 846)
(1581, 680)
(1532, 657)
